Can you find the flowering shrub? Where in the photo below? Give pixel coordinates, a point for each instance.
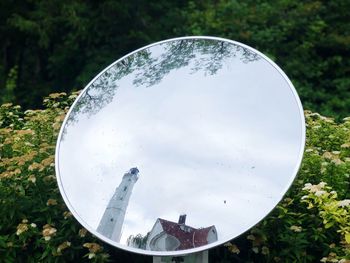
(334, 213)
(35, 224)
(311, 224)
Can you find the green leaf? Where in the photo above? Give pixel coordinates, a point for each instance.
(347, 238)
(329, 224)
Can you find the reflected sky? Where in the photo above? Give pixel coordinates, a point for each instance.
(214, 129)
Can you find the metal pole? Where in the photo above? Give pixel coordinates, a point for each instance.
(200, 257)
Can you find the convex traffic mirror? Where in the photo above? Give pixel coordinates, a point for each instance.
(180, 146)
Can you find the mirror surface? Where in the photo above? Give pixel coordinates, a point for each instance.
(180, 146)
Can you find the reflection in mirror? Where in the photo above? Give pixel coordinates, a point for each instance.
(215, 129)
(113, 218)
(148, 68)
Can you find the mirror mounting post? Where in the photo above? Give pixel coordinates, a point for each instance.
(199, 257)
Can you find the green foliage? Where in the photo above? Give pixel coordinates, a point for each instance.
(61, 45)
(34, 219)
(310, 40)
(310, 224)
(11, 83)
(35, 224)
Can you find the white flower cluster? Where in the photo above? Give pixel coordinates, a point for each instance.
(315, 188)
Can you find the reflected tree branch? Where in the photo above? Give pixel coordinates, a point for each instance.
(149, 66)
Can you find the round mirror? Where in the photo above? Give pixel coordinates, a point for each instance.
(180, 146)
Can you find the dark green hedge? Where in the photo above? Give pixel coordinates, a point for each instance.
(60, 45)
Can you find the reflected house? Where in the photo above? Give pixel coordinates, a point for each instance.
(113, 218)
(169, 236)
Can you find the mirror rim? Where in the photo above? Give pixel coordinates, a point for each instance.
(208, 246)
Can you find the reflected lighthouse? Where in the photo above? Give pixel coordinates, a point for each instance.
(113, 218)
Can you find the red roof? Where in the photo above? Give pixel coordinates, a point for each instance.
(188, 236)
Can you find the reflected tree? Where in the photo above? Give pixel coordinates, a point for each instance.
(103, 88)
(204, 55)
(149, 66)
(138, 241)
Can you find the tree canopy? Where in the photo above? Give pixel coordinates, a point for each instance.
(51, 46)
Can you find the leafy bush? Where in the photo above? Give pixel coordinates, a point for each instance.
(35, 224)
(311, 224)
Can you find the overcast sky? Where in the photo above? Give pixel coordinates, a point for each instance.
(220, 148)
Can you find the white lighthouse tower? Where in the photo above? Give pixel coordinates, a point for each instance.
(112, 220)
